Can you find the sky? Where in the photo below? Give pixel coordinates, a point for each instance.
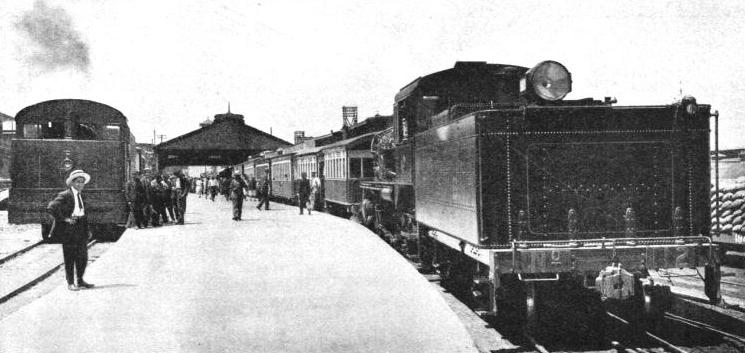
(292, 65)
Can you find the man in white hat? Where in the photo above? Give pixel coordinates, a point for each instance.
(71, 228)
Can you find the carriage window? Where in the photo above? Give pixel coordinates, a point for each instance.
(111, 132)
(86, 132)
(355, 168)
(367, 168)
(31, 131)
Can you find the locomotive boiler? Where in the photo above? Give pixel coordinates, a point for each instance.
(519, 197)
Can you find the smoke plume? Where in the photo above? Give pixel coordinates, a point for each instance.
(55, 42)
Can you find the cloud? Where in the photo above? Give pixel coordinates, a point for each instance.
(54, 41)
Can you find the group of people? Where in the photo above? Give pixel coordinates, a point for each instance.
(153, 198)
(211, 186)
(309, 192)
(240, 188)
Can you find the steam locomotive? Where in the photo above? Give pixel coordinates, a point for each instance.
(518, 197)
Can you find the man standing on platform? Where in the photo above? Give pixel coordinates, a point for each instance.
(182, 190)
(264, 191)
(303, 188)
(135, 199)
(236, 195)
(71, 228)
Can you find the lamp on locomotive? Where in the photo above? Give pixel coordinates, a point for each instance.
(549, 80)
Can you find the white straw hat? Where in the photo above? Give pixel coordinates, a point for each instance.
(79, 173)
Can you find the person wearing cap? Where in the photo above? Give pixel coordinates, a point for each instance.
(70, 227)
(236, 195)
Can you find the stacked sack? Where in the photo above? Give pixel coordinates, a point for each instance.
(731, 208)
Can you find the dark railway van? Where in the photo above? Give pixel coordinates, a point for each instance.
(514, 194)
(58, 136)
(345, 164)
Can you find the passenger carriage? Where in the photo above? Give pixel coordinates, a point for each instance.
(282, 179)
(346, 164)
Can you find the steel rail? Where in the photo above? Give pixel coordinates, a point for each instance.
(19, 252)
(704, 326)
(38, 279)
(655, 338)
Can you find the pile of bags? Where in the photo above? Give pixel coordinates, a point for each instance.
(731, 210)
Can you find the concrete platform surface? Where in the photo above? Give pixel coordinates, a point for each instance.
(274, 282)
(15, 237)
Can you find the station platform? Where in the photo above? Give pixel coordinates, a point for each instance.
(273, 282)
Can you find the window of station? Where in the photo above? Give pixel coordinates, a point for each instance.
(8, 127)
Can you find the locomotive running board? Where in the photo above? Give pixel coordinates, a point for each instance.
(586, 254)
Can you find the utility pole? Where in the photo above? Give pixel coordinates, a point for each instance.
(161, 138)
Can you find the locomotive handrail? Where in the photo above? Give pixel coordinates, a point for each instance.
(610, 243)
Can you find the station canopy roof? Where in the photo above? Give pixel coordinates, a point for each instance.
(4, 117)
(227, 141)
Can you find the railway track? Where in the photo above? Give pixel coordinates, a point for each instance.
(676, 334)
(27, 267)
(19, 252)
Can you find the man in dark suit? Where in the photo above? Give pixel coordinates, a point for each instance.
(71, 228)
(236, 195)
(264, 188)
(136, 199)
(182, 188)
(303, 194)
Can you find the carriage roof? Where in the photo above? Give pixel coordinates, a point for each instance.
(83, 111)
